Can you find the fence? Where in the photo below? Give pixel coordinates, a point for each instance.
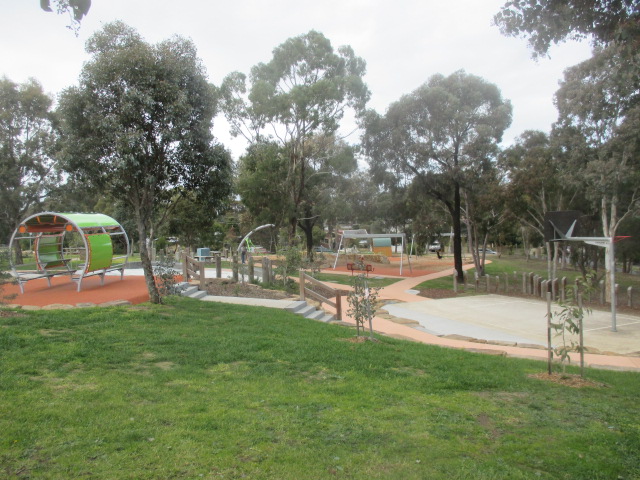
(304, 292)
(193, 269)
(534, 285)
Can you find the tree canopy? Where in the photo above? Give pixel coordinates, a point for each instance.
(27, 145)
(138, 126)
(302, 93)
(547, 22)
(438, 136)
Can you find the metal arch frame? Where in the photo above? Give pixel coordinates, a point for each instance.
(63, 230)
(246, 237)
(344, 235)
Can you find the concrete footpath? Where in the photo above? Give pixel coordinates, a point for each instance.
(509, 323)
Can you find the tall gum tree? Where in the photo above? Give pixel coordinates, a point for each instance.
(303, 92)
(548, 22)
(537, 184)
(599, 124)
(436, 134)
(27, 152)
(138, 126)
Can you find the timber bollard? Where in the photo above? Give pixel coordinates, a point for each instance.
(266, 270)
(234, 267)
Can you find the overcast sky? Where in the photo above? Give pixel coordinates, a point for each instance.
(403, 43)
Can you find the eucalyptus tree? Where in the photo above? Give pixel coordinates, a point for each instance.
(260, 183)
(332, 164)
(28, 139)
(77, 9)
(599, 127)
(138, 126)
(538, 182)
(436, 134)
(484, 208)
(302, 93)
(547, 22)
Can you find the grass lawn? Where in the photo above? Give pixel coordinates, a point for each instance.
(348, 279)
(203, 390)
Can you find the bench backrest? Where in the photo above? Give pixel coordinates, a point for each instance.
(48, 250)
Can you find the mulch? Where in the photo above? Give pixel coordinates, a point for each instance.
(567, 380)
(387, 270)
(227, 288)
(64, 291)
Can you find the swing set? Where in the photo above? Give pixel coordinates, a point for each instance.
(50, 236)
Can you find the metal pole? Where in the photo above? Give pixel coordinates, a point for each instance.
(549, 349)
(401, 254)
(612, 266)
(338, 251)
(581, 328)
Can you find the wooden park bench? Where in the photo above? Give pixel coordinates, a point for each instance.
(355, 267)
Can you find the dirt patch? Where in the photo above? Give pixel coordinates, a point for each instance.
(228, 288)
(164, 365)
(437, 293)
(567, 380)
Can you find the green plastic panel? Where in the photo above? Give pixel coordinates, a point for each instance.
(91, 219)
(50, 252)
(100, 252)
(381, 242)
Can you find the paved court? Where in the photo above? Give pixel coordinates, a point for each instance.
(497, 317)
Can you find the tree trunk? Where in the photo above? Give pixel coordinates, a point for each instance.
(549, 259)
(147, 268)
(293, 224)
(457, 233)
(473, 245)
(525, 242)
(17, 253)
(307, 228)
(483, 260)
(609, 225)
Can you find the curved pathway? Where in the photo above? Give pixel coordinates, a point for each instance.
(400, 291)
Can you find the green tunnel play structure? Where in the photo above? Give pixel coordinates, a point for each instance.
(75, 244)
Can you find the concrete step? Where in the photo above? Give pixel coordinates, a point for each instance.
(190, 290)
(327, 318)
(306, 311)
(198, 295)
(317, 315)
(295, 307)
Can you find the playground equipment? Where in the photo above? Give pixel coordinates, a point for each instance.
(358, 234)
(382, 246)
(44, 234)
(247, 242)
